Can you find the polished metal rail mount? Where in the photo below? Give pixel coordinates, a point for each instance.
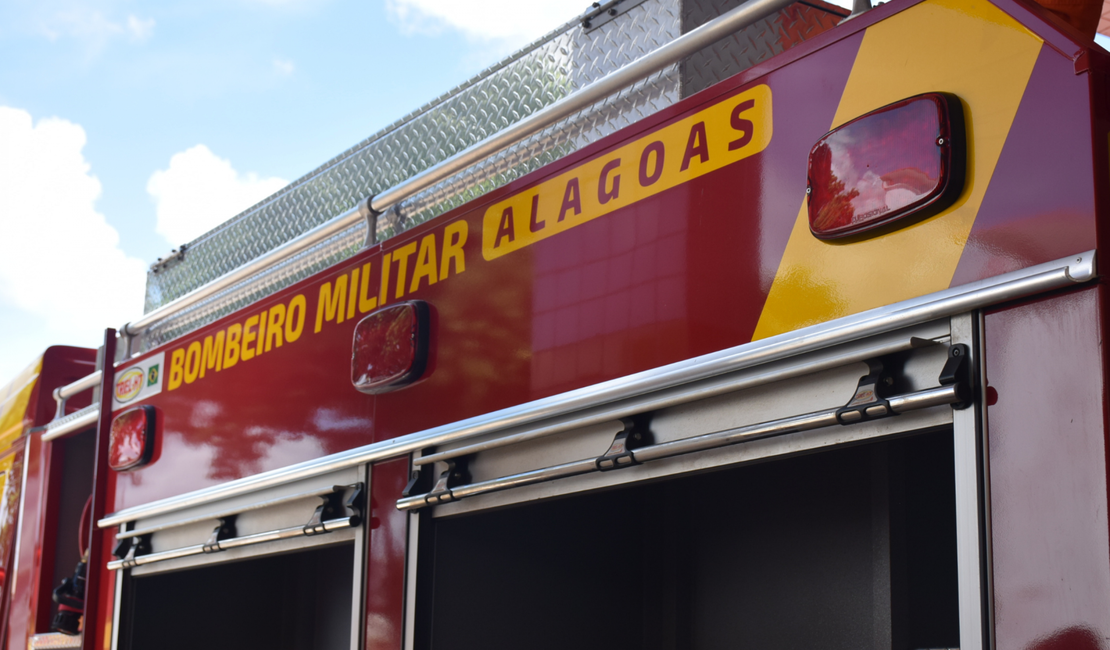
(867, 403)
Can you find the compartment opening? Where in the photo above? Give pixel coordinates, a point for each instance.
(71, 482)
(296, 601)
(850, 548)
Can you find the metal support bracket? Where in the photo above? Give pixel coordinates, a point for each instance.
(355, 504)
(130, 548)
(456, 474)
(957, 372)
(600, 13)
(370, 215)
(869, 401)
(334, 507)
(636, 433)
(224, 530)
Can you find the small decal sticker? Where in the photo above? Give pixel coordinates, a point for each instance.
(138, 382)
(129, 384)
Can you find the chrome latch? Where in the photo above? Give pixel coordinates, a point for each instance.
(455, 475)
(957, 372)
(130, 548)
(224, 530)
(335, 507)
(636, 433)
(869, 401)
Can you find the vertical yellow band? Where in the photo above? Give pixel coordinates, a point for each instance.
(966, 47)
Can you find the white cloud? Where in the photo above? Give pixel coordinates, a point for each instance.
(283, 67)
(485, 20)
(63, 277)
(139, 28)
(200, 190)
(94, 29)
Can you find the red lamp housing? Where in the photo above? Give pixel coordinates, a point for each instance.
(390, 347)
(905, 159)
(131, 440)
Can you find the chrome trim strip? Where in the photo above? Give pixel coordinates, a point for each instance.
(331, 525)
(645, 66)
(138, 532)
(957, 300)
(968, 462)
(75, 421)
(880, 345)
(715, 440)
(53, 640)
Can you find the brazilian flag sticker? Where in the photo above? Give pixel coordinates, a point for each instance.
(152, 376)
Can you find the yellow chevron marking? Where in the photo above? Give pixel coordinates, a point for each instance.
(969, 48)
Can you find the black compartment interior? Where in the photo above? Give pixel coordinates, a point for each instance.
(854, 548)
(71, 482)
(297, 601)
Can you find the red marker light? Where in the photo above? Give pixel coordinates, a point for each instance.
(131, 440)
(390, 348)
(905, 159)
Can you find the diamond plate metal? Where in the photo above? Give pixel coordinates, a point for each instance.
(751, 45)
(551, 68)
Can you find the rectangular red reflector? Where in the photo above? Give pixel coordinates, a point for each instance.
(390, 348)
(905, 159)
(131, 440)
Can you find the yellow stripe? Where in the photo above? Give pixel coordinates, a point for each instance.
(969, 48)
(14, 398)
(726, 132)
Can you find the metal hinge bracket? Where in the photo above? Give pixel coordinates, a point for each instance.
(636, 433)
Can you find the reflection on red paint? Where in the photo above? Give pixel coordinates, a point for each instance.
(130, 440)
(887, 164)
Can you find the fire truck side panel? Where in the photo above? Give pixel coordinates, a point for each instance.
(721, 256)
(673, 283)
(385, 563)
(1046, 414)
(668, 278)
(286, 405)
(716, 260)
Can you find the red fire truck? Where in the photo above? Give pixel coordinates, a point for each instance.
(692, 325)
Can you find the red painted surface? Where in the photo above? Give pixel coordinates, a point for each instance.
(1034, 213)
(1047, 455)
(385, 560)
(657, 282)
(677, 275)
(61, 365)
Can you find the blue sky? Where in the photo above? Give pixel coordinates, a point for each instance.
(129, 127)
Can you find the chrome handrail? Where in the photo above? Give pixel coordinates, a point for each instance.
(62, 393)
